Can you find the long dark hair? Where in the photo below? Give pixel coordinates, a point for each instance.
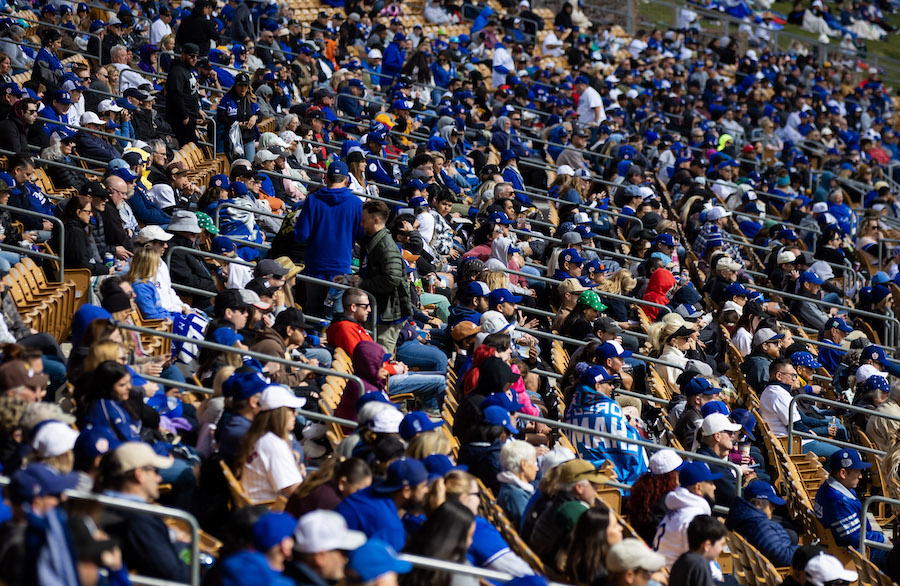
(586, 561)
(97, 385)
(442, 536)
(574, 315)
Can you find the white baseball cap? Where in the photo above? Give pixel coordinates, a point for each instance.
(322, 530)
(716, 213)
(827, 568)
(54, 438)
(151, 233)
(633, 554)
(718, 422)
(786, 256)
(387, 421)
(866, 371)
(109, 106)
(90, 118)
(820, 207)
(665, 461)
(375, 54)
(565, 170)
(279, 396)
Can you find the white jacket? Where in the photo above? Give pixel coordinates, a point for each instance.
(671, 535)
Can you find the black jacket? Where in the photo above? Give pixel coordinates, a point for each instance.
(241, 24)
(182, 97)
(64, 177)
(80, 249)
(13, 135)
(199, 29)
(113, 227)
(147, 548)
(188, 269)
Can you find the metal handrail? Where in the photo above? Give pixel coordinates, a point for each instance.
(148, 509)
(76, 127)
(642, 443)
(258, 355)
(835, 305)
(62, 235)
(557, 337)
(854, 408)
(463, 569)
(240, 261)
(602, 251)
(863, 542)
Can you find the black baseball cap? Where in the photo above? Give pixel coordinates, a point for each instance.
(804, 554)
(291, 317)
(229, 299)
(190, 49)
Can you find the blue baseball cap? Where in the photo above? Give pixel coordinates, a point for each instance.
(762, 491)
(502, 400)
(666, 239)
(597, 374)
(585, 231)
(271, 529)
(421, 186)
(787, 234)
(416, 422)
(736, 290)
(220, 180)
(418, 202)
(498, 296)
(507, 155)
(873, 352)
(374, 559)
(400, 474)
(94, 442)
(714, 407)
(805, 359)
(125, 174)
(695, 472)
(226, 336)
(439, 465)
(880, 278)
(61, 96)
(570, 255)
(124, 103)
(401, 105)
(746, 420)
(239, 188)
(377, 396)
(243, 385)
(836, 322)
(39, 480)
(476, 289)
(611, 349)
(500, 218)
(496, 415)
(877, 383)
(699, 386)
(338, 169)
(810, 277)
(848, 460)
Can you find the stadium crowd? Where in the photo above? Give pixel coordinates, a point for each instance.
(490, 284)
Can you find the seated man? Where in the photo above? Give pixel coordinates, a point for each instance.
(839, 509)
(751, 516)
(775, 402)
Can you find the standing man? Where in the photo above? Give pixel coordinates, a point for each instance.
(182, 95)
(329, 223)
(382, 273)
(590, 104)
(394, 58)
(162, 26)
(199, 28)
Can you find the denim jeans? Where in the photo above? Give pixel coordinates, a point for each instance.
(428, 387)
(316, 295)
(820, 449)
(415, 354)
(7, 260)
(320, 354)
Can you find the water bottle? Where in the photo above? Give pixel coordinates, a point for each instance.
(833, 423)
(109, 260)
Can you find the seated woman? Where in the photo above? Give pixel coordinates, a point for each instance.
(519, 462)
(265, 461)
(81, 250)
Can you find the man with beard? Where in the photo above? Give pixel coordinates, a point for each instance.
(377, 511)
(696, 495)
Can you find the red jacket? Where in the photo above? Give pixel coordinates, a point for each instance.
(346, 334)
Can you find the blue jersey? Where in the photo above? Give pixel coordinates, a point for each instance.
(840, 510)
(596, 411)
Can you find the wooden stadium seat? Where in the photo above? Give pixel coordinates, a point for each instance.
(239, 497)
(869, 574)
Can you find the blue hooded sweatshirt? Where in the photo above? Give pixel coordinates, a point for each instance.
(328, 224)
